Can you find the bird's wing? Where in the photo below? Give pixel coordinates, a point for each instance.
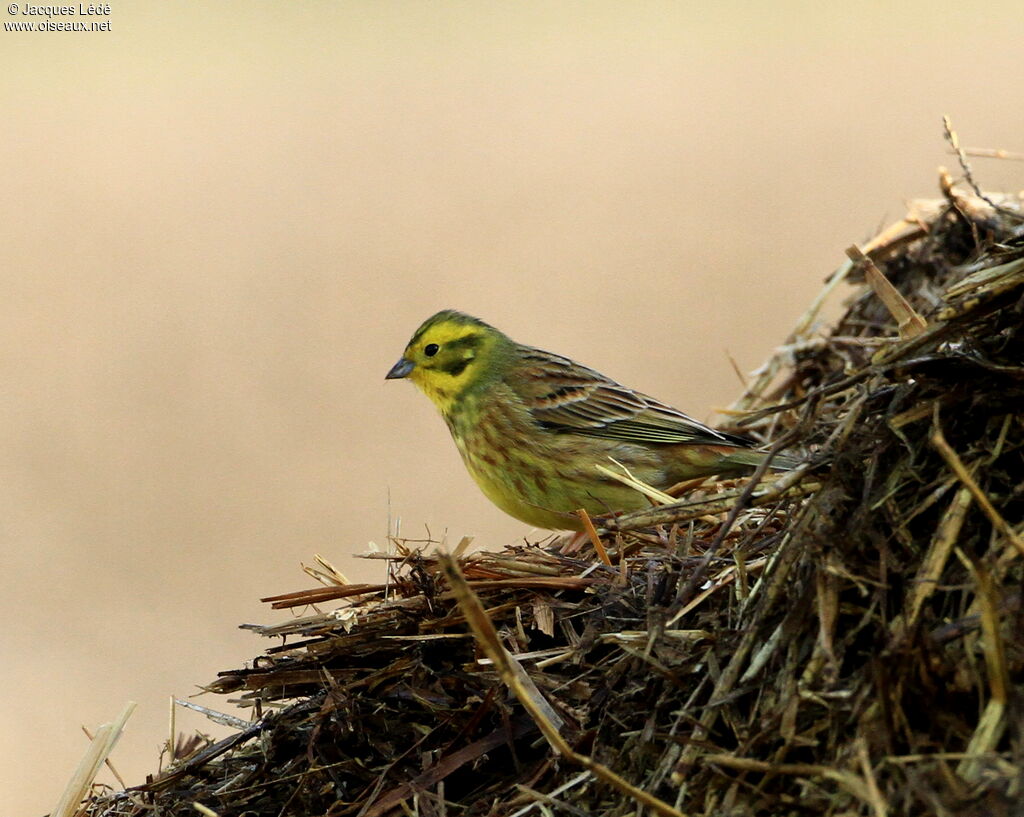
(564, 396)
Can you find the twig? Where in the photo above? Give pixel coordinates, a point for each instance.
(954, 141)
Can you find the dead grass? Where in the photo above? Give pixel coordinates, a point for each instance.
(844, 639)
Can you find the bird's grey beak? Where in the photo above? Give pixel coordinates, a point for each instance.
(403, 368)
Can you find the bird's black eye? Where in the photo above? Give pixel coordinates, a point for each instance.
(431, 349)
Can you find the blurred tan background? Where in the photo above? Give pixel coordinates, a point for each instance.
(222, 221)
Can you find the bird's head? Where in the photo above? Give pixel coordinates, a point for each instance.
(449, 355)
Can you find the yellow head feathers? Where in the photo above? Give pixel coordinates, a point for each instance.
(450, 353)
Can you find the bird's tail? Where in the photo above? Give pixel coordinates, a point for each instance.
(691, 460)
(748, 457)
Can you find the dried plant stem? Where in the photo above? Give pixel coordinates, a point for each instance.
(99, 750)
(488, 639)
(992, 723)
(909, 322)
(934, 561)
(957, 466)
(849, 781)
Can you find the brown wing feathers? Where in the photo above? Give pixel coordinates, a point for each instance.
(564, 396)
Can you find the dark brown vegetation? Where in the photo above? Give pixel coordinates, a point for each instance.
(845, 639)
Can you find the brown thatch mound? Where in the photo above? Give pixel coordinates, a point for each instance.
(844, 639)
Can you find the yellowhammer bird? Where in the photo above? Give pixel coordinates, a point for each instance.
(531, 425)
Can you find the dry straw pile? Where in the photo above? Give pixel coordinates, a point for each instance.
(845, 639)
